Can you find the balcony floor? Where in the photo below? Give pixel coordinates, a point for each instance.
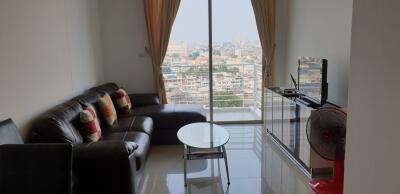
(235, 114)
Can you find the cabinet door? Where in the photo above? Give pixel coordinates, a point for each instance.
(304, 150)
(277, 115)
(268, 116)
(288, 123)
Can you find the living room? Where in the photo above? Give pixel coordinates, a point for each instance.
(60, 57)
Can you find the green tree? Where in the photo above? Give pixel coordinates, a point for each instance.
(216, 52)
(227, 99)
(194, 55)
(197, 71)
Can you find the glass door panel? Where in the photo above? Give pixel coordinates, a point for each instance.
(236, 60)
(186, 64)
(237, 91)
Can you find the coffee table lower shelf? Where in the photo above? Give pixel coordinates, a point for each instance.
(191, 153)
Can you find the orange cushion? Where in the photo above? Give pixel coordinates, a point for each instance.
(107, 109)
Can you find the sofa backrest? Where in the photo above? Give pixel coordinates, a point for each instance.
(146, 99)
(90, 98)
(62, 123)
(108, 88)
(59, 125)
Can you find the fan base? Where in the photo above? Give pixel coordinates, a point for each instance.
(326, 187)
(332, 186)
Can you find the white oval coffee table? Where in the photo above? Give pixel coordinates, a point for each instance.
(203, 141)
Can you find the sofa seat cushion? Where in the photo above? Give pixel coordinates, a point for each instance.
(142, 140)
(171, 116)
(103, 150)
(131, 123)
(142, 123)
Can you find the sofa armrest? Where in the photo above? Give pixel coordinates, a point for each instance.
(36, 168)
(105, 167)
(144, 99)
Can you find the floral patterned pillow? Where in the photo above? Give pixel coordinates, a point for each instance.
(123, 101)
(107, 109)
(91, 126)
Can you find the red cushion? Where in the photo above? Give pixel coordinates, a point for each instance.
(90, 123)
(123, 101)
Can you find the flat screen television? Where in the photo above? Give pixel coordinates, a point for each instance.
(312, 79)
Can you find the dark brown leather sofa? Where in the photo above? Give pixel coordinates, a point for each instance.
(111, 165)
(32, 168)
(167, 118)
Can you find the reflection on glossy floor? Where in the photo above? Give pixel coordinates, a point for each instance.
(255, 168)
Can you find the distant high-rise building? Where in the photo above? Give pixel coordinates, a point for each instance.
(238, 52)
(180, 48)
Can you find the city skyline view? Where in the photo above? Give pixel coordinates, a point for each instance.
(236, 75)
(236, 60)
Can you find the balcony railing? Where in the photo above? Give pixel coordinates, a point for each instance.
(236, 88)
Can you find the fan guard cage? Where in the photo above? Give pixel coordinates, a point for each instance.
(326, 132)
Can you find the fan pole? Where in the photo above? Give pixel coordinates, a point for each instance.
(338, 174)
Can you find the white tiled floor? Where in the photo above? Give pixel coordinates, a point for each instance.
(255, 168)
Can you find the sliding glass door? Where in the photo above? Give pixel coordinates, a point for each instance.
(226, 28)
(236, 62)
(186, 64)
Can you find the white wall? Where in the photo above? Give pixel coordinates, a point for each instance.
(316, 28)
(49, 52)
(124, 38)
(373, 132)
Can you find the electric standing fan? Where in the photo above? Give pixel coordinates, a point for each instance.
(326, 132)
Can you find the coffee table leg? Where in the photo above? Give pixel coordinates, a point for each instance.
(226, 163)
(184, 164)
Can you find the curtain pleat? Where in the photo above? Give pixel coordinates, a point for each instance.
(265, 13)
(160, 16)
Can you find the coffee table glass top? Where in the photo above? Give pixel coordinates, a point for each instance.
(203, 135)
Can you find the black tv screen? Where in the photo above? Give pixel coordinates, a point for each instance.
(312, 78)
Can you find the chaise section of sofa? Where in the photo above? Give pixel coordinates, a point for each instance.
(167, 118)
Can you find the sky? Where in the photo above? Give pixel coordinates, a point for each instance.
(232, 20)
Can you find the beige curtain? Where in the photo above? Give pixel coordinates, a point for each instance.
(160, 16)
(264, 11)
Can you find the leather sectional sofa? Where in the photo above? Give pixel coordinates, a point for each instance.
(32, 168)
(112, 164)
